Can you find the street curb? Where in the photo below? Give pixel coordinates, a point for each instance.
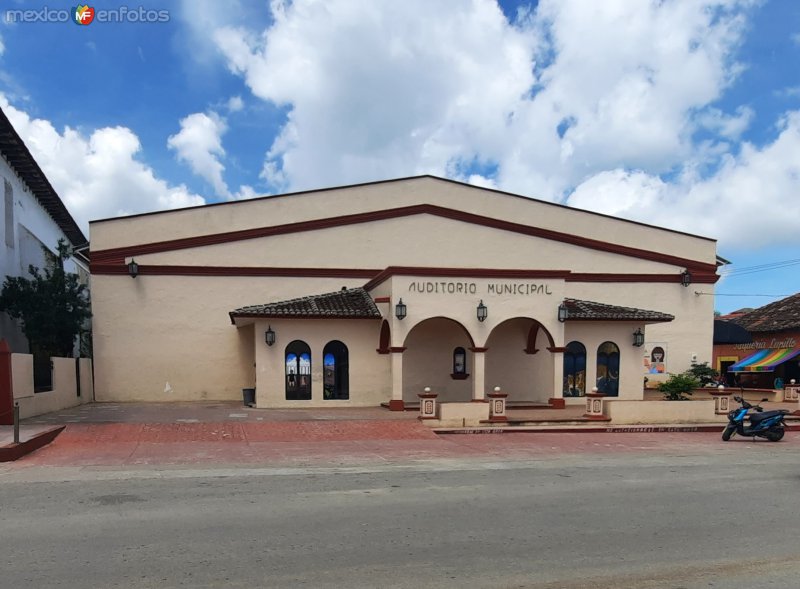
(618, 429)
(12, 452)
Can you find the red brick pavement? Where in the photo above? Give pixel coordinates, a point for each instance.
(300, 431)
(337, 444)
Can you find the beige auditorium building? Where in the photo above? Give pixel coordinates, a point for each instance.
(364, 295)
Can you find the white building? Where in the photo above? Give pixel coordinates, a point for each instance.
(34, 217)
(366, 294)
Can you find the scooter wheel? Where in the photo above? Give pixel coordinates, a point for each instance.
(727, 433)
(775, 435)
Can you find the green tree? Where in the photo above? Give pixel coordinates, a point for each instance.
(51, 305)
(704, 373)
(677, 386)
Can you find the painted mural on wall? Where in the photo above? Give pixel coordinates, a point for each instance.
(655, 358)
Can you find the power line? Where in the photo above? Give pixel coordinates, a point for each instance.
(759, 268)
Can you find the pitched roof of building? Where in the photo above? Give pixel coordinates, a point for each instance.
(578, 310)
(348, 303)
(729, 332)
(778, 316)
(20, 159)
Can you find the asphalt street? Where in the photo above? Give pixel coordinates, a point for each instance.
(677, 519)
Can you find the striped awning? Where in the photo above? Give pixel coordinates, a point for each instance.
(765, 360)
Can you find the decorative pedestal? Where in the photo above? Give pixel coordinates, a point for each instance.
(722, 401)
(791, 392)
(497, 405)
(427, 404)
(594, 406)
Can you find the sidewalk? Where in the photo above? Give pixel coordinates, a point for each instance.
(114, 434)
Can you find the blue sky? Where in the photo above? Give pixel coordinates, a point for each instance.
(684, 114)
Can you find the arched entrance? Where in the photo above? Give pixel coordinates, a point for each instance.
(336, 371)
(298, 371)
(433, 358)
(519, 362)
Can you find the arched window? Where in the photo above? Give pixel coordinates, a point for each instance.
(575, 370)
(459, 363)
(608, 369)
(336, 372)
(385, 338)
(298, 371)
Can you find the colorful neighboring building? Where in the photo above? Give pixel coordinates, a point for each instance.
(772, 357)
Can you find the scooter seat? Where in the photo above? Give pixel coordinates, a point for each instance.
(759, 417)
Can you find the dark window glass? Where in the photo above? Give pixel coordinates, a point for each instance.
(575, 370)
(298, 371)
(459, 361)
(608, 369)
(336, 371)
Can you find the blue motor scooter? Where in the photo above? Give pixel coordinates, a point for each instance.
(763, 424)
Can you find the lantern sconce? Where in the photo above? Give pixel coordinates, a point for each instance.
(562, 313)
(686, 278)
(133, 268)
(400, 310)
(638, 338)
(269, 336)
(483, 312)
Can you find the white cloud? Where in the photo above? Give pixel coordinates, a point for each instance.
(382, 90)
(750, 200)
(235, 104)
(97, 175)
(199, 144)
(790, 92)
(570, 90)
(728, 126)
(594, 101)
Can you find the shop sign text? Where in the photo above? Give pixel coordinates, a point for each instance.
(789, 342)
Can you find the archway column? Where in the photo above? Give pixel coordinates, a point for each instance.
(478, 373)
(396, 403)
(557, 399)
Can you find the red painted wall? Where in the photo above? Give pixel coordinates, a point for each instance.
(761, 340)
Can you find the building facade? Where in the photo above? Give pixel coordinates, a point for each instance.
(35, 219)
(367, 294)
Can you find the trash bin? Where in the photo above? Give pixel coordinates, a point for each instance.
(249, 396)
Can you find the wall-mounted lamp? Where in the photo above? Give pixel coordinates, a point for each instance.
(686, 278)
(562, 313)
(400, 310)
(133, 268)
(269, 336)
(638, 338)
(483, 311)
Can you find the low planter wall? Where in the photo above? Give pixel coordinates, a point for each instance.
(630, 412)
(65, 385)
(460, 414)
(752, 395)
